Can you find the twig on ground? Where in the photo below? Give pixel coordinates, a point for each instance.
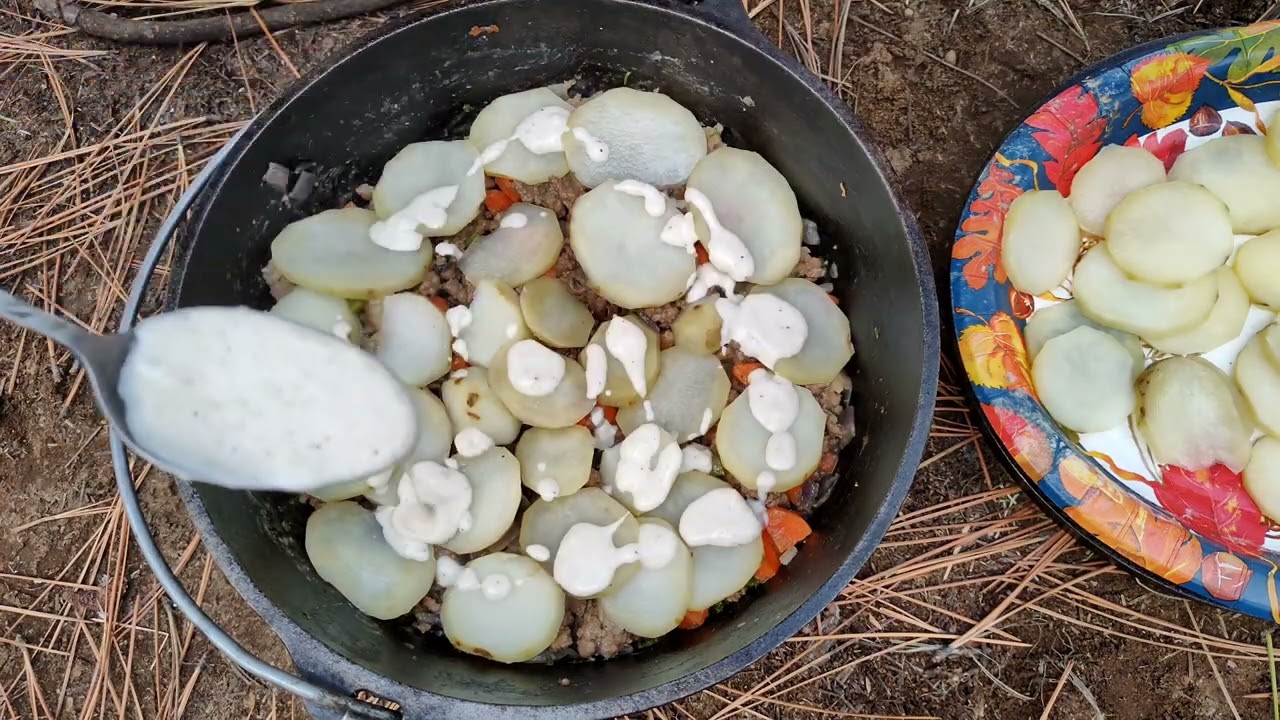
(215, 28)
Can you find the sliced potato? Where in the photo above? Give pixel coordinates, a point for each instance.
(435, 430)
(556, 462)
(318, 311)
(345, 545)
(1271, 339)
(741, 441)
(331, 253)
(617, 243)
(425, 166)
(564, 406)
(1105, 180)
(1237, 170)
(1104, 293)
(498, 121)
(1256, 264)
(1085, 380)
(342, 491)
(1259, 382)
(511, 626)
(689, 486)
(1273, 144)
(1191, 416)
(515, 255)
(628, 134)
(653, 603)
(618, 390)
(1061, 318)
(1040, 242)
(413, 338)
(495, 497)
(1223, 325)
(472, 403)
(698, 327)
(827, 347)
(496, 320)
(1170, 233)
(1262, 477)
(554, 315)
(610, 458)
(687, 399)
(753, 201)
(546, 523)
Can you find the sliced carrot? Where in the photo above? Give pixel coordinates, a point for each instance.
(771, 562)
(701, 252)
(586, 422)
(742, 372)
(796, 494)
(610, 414)
(834, 299)
(459, 363)
(497, 201)
(508, 188)
(787, 528)
(693, 619)
(440, 303)
(551, 273)
(828, 462)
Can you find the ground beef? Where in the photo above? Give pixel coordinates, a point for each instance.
(556, 195)
(594, 634)
(810, 268)
(570, 273)
(662, 318)
(277, 283)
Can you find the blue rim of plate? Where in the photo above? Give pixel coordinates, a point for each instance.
(1198, 535)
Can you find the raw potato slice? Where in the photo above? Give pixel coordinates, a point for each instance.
(495, 499)
(425, 166)
(413, 338)
(752, 199)
(496, 320)
(1191, 416)
(1271, 344)
(827, 347)
(556, 462)
(687, 399)
(1105, 294)
(629, 134)
(1262, 477)
(1105, 180)
(566, 405)
(345, 545)
(1041, 241)
(1223, 325)
(1259, 382)
(554, 315)
(698, 327)
(689, 486)
(318, 311)
(618, 390)
(341, 491)
(1170, 233)
(617, 243)
(546, 523)
(1085, 380)
(515, 255)
(1061, 318)
(741, 441)
(472, 403)
(435, 430)
(1237, 170)
(653, 602)
(498, 121)
(331, 253)
(511, 627)
(1273, 143)
(1258, 267)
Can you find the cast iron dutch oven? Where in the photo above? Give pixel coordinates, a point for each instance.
(425, 78)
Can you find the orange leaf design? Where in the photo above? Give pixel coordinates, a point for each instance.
(1225, 576)
(1133, 530)
(1026, 441)
(1165, 84)
(979, 242)
(995, 355)
(1079, 477)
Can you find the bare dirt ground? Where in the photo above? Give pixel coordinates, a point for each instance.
(976, 606)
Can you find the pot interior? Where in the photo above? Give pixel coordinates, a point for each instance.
(426, 81)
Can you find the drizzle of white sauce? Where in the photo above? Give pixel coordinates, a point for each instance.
(342, 329)
(449, 573)
(459, 319)
(587, 558)
(472, 442)
(534, 369)
(538, 552)
(647, 466)
(724, 248)
(606, 434)
(658, 545)
(547, 489)
(433, 500)
(541, 131)
(648, 411)
(721, 518)
(628, 343)
(703, 426)
(458, 374)
(705, 279)
(597, 368)
(766, 481)
(448, 249)
(512, 330)
(655, 203)
(680, 232)
(400, 231)
(764, 326)
(775, 405)
(696, 457)
(513, 220)
(597, 150)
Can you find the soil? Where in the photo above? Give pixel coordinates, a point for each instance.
(937, 128)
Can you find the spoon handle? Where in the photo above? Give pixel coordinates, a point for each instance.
(33, 318)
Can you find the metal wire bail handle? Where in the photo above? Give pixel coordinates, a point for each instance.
(351, 708)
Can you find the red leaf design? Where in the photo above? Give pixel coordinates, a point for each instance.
(1168, 148)
(1070, 130)
(980, 241)
(1214, 503)
(1026, 442)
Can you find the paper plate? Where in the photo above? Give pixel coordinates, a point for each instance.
(1196, 533)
